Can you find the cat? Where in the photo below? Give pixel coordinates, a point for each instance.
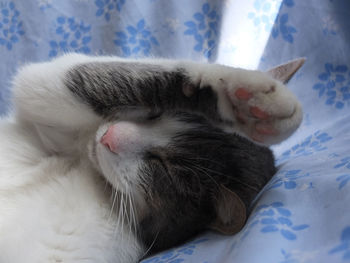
(105, 159)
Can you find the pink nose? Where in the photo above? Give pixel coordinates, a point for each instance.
(108, 139)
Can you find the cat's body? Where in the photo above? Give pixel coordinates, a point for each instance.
(90, 171)
(60, 215)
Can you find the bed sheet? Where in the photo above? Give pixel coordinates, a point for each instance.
(302, 214)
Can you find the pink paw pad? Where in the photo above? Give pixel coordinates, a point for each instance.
(243, 94)
(258, 113)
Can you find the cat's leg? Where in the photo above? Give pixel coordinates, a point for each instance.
(259, 106)
(40, 95)
(75, 91)
(44, 105)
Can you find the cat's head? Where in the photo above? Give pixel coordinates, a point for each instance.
(182, 175)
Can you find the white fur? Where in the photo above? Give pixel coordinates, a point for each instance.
(52, 210)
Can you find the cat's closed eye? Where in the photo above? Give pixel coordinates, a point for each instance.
(154, 115)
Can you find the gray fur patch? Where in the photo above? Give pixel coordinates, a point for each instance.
(114, 87)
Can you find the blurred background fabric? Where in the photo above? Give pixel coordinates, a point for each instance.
(303, 214)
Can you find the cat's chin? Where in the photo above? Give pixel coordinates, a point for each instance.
(120, 170)
(116, 184)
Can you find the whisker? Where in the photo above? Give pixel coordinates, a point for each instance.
(133, 213)
(152, 244)
(219, 173)
(114, 193)
(122, 214)
(130, 212)
(117, 222)
(204, 170)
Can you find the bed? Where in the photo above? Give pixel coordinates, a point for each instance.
(302, 214)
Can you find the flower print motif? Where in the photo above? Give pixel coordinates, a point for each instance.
(44, 4)
(281, 26)
(288, 180)
(334, 85)
(73, 36)
(344, 246)
(343, 179)
(171, 25)
(176, 255)
(264, 14)
(136, 40)
(313, 143)
(11, 28)
(106, 7)
(330, 27)
(273, 218)
(345, 162)
(276, 218)
(204, 29)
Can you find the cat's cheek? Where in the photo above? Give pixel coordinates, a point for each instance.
(91, 148)
(120, 170)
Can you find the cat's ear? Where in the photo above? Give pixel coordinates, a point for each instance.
(285, 72)
(230, 212)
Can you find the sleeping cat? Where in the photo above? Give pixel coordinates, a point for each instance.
(108, 160)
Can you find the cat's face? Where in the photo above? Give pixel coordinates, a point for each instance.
(176, 168)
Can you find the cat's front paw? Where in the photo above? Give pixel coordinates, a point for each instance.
(266, 112)
(262, 108)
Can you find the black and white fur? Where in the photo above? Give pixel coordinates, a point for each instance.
(181, 163)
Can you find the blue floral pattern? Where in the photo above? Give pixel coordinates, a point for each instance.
(344, 246)
(264, 14)
(287, 179)
(344, 163)
(334, 85)
(281, 26)
(330, 27)
(344, 178)
(106, 7)
(204, 29)
(136, 40)
(313, 143)
(73, 36)
(11, 28)
(44, 4)
(176, 255)
(275, 218)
